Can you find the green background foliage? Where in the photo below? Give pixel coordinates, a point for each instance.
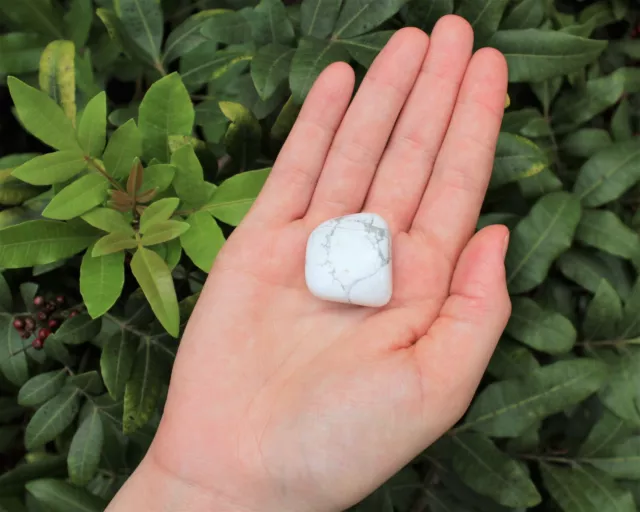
(135, 135)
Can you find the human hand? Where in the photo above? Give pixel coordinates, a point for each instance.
(279, 401)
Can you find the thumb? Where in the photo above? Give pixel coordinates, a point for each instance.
(457, 348)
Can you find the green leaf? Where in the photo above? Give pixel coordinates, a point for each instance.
(360, 16)
(534, 55)
(125, 145)
(187, 36)
(143, 22)
(108, 220)
(113, 242)
(270, 23)
(603, 313)
(516, 158)
(60, 496)
(624, 461)
(42, 116)
(20, 53)
(159, 211)
(604, 230)
(78, 20)
(78, 329)
(79, 197)
(586, 142)
(364, 49)
(85, 449)
(318, 17)
(424, 14)
(166, 109)
(56, 350)
(203, 240)
(511, 360)
(578, 106)
(206, 63)
(608, 174)
(52, 418)
(101, 281)
(13, 361)
(270, 68)
(154, 277)
(608, 432)
(231, 200)
(508, 408)
(35, 15)
(39, 242)
(116, 361)
(586, 269)
(51, 168)
(41, 388)
(524, 14)
(6, 300)
(243, 137)
(539, 239)
(620, 395)
(189, 180)
(92, 129)
(493, 473)
(228, 28)
(484, 17)
(528, 122)
(88, 382)
(158, 176)
(621, 122)
(161, 232)
(57, 75)
(541, 329)
(311, 57)
(143, 387)
(581, 489)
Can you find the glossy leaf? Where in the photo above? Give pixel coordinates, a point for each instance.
(159, 211)
(13, 361)
(52, 418)
(85, 449)
(20, 52)
(608, 174)
(57, 75)
(39, 242)
(207, 63)
(586, 142)
(543, 330)
(51, 168)
(364, 49)
(125, 145)
(154, 277)
(603, 313)
(228, 28)
(161, 232)
(270, 23)
(78, 198)
(524, 14)
(604, 230)
(101, 281)
(487, 470)
(318, 17)
(242, 139)
(108, 220)
(117, 360)
(165, 110)
(60, 496)
(188, 35)
(189, 177)
(41, 388)
(608, 432)
(539, 239)
(508, 408)
(484, 17)
(270, 68)
(143, 388)
(78, 329)
(424, 14)
(534, 55)
(516, 158)
(92, 129)
(143, 22)
(203, 240)
(42, 117)
(231, 200)
(360, 16)
(511, 360)
(113, 242)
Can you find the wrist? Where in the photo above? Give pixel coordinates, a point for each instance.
(153, 488)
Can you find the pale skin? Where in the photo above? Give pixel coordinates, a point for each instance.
(282, 402)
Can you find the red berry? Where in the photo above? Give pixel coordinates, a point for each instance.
(38, 300)
(18, 323)
(53, 323)
(29, 323)
(25, 335)
(60, 299)
(37, 344)
(73, 313)
(44, 333)
(42, 316)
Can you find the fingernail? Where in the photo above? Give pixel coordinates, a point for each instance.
(506, 244)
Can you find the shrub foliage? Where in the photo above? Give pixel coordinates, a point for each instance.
(134, 136)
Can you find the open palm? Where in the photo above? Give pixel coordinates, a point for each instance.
(280, 401)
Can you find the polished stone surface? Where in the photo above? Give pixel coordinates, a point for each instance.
(348, 260)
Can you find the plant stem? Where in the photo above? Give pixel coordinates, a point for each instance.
(610, 343)
(94, 163)
(546, 458)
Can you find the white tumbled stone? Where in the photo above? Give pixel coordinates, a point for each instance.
(348, 260)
